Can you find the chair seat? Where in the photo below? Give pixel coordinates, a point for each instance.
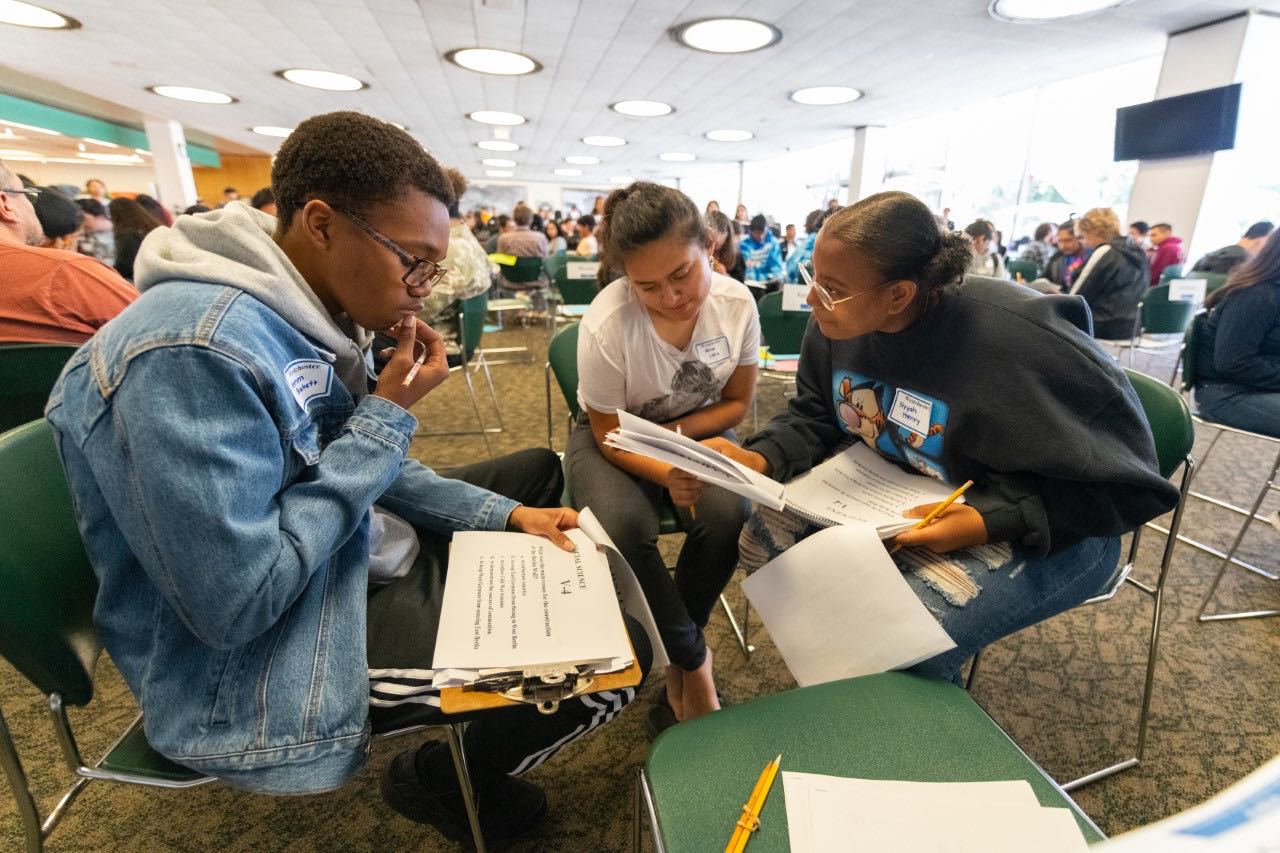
(890, 726)
(133, 755)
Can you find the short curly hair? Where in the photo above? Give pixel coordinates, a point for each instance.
(352, 161)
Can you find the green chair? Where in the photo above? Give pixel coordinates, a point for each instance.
(895, 725)
(1212, 280)
(1169, 272)
(27, 375)
(1174, 434)
(1027, 269)
(552, 264)
(471, 358)
(1158, 315)
(562, 364)
(782, 332)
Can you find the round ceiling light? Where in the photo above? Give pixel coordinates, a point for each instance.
(643, 109)
(604, 141)
(677, 157)
(568, 173)
(489, 61)
(499, 173)
(497, 145)
(497, 117)
(269, 130)
(729, 135)
(189, 93)
(330, 81)
(1038, 11)
(582, 160)
(727, 35)
(499, 163)
(825, 96)
(27, 15)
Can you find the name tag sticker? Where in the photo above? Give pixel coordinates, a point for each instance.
(712, 352)
(308, 380)
(1187, 290)
(911, 412)
(581, 270)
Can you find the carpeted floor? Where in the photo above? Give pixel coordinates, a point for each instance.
(1067, 691)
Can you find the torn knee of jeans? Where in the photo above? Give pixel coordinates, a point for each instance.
(947, 577)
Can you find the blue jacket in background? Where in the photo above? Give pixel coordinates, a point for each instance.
(764, 259)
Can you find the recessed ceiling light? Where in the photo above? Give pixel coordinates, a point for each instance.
(727, 35)
(489, 61)
(677, 157)
(497, 117)
(568, 173)
(499, 162)
(269, 130)
(329, 80)
(825, 96)
(31, 127)
(622, 179)
(26, 15)
(644, 109)
(604, 141)
(729, 135)
(1036, 11)
(499, 173)
(497, 145)
(189, 93)
(582, 160)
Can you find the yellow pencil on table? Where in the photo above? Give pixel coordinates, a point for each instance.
(749, 822)
(938, 510)
(693, 508)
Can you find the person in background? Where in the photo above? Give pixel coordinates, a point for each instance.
(741, 220)
(1168, 250)
(1229, 257)
(947, 220)
(762, 255)
(588, 246)
(556, 245)
(1038, 250)
(132, 224)
(196, 208)
(523, 242)
(597, 208)
(788, 243)
(61, 219)
(1237, 355)
(157, 210)
(675, 344)
(723, 247)
(713, 206)
(468, 271)
(1139, 232)
(95, 189)
(1068, 259)
(804, 248)
(1114, 278)
(265, 201)
(229, 195)
(49, 296)
(499, 225)
(97, 238)
(985, 261)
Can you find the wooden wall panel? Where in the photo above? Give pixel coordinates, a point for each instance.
(246, 174)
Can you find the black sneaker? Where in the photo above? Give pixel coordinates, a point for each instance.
(509, 807)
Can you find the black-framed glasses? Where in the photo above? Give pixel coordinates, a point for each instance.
(420, 273)
(32, 193)
(826, 297)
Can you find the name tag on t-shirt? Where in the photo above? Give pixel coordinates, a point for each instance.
(308, 380)
(714, 351)
(911, 412)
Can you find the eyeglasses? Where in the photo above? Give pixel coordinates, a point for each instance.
(825, 296)
(30, 192)
(420, 273)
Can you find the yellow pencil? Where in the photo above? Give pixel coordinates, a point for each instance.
(739, 828)
(938, 510)
(751, 813)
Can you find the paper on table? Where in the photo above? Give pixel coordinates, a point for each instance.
(857, 485)
(836, 606)
(629, 592)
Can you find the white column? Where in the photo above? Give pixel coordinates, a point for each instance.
(177, 186)
(866, 172)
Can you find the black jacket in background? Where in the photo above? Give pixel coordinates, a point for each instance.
(1239, 342)
(1222, 260)
(1114, 287)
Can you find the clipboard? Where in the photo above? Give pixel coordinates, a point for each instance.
(457, 700)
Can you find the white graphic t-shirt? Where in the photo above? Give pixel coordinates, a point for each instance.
(623, 364)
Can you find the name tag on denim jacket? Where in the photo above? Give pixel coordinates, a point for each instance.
(308, 380)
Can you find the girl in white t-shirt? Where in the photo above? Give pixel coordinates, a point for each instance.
(676, 344)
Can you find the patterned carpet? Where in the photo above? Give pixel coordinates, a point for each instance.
(1067, 691)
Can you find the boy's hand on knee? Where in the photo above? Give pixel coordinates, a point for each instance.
(548, 523)
(959, 526)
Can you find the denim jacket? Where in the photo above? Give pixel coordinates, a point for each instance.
(222, 478)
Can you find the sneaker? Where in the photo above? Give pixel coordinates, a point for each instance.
(509, 806)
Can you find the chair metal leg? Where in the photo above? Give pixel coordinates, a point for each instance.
(644, 797)
(546, 371)
(1269, 486)
(483, 363)
(973, 671)
(475, 406)
(454, 733)
(28, 809)
(738, 632)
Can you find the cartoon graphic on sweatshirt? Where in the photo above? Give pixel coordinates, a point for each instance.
(692, 387)
(904, 425)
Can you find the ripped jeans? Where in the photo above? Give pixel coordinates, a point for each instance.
(977, 594)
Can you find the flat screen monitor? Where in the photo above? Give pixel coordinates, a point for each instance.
(1195, 123)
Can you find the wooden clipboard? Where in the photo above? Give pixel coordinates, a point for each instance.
(455, 700)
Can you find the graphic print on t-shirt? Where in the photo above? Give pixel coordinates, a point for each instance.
(692, 386)
(904, 425)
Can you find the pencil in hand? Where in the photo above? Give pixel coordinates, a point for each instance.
(937, 511)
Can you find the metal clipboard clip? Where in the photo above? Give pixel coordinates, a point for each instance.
(544, 687)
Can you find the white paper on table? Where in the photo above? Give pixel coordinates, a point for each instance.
(1188, 290)
(631, 595)
(836, 607)
(860, 486)
(794, 296)
(581, 270)
(514, 600)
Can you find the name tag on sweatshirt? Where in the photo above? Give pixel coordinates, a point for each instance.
(308, 380)
(911, 412)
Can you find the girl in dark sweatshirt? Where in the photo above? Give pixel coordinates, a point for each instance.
(980, 381)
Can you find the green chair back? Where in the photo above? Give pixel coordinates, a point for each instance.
(47, 586)
(552, 264)
(562, 355)
(1169, 417)
(1160, 316)
(27, 375)
(1028, 270)
(1212, 280)
(1171, 271)
(471, 321)
(524, 270)
(574, 290)
(782, 330)
(1191, 343)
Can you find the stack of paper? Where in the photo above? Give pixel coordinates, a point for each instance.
(827, 813)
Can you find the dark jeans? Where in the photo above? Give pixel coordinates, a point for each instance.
(404, 615)
(1240, 406)
(628, 508)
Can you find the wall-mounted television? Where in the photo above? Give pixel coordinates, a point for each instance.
(1195, 123)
